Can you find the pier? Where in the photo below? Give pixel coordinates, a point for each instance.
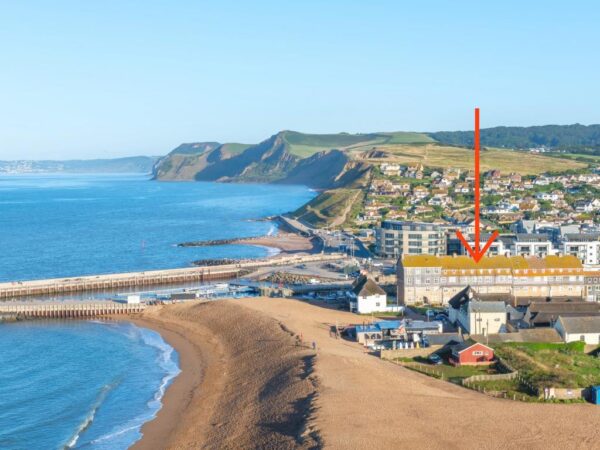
(12, 290)
(67, 310)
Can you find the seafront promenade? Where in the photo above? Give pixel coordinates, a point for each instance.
(12, 290)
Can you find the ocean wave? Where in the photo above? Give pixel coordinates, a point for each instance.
(271, 251)
(89, 418)
(166, 360)
(168, 363)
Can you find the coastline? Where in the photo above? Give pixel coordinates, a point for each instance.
(156, 432)
(255, 388)
(244, 383)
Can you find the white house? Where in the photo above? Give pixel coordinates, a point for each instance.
(579, 328)
(368, 296)
(475, 316)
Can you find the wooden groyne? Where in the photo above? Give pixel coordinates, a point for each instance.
(149, 278)
(67, 310)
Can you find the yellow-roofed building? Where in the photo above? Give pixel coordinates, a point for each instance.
(436, 279)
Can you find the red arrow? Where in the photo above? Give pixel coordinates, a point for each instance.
(477, 253)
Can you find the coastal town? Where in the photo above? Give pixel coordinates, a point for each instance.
(300, 226)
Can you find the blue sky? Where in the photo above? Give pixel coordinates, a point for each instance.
(86, 79)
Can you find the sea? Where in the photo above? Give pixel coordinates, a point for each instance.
(93, 384)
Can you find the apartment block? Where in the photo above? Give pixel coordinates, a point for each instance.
(395, 238)
(433, 279)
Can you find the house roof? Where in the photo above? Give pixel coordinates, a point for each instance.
(582, 324)
(444, 339)
(365, 287)
(459, 348)
(468, 294)
(564, 307)
(492, 262)
(378, 326)
(546, 312)
(526, 301)
(487, 307)
(415, 325)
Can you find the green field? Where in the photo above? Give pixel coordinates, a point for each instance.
(305, 145)
(439, 156)
(552, 365)
(454, 374)
(234, 148)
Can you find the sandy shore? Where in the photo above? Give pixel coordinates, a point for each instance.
(245, 384)
(287, 243)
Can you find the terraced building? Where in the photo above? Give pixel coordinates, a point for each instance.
(435, 280)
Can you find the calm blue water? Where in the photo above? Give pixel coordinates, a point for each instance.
(67, 225)
(77, 384)
(92, 385)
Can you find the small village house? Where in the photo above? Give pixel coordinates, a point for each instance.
(471, 354)
(367, 296)
(477, 314)
(579, 328)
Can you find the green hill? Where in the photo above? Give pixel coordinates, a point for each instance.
(304, 145)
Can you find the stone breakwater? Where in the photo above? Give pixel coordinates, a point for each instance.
(214, 242)
(219, 262)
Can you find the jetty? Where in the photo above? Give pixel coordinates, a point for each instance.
(67, 310)
(57, 286)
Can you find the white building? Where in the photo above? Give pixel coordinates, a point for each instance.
(586, 247)
(395, 238)
(477, 316)
(582, 328)
(367, 296)
(538, 245)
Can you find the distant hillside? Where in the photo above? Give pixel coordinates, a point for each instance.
(134, 164)
(341, 165)
(316, 160)
(558, 137)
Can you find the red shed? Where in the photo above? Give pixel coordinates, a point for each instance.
(471, 354)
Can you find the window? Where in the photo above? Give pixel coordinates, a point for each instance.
(477, 353)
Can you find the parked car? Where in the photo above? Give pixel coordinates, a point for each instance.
(434, 358)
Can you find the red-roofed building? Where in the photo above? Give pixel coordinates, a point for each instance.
(466, 354)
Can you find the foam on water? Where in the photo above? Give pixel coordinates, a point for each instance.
(94, 384)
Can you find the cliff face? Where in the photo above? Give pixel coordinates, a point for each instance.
(261, 163)
(184, 162)
(271, 161)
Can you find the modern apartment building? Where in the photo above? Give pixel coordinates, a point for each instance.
(586, 247)
(395, 238)
(520, 244)
(592, 286)
(436, 279)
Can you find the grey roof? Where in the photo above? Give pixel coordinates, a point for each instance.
(365, 287)
(564, 307)
(488, 307)
(469, 294)
(526, 301)
(582, 324)
(582, 237)
(444, 339)
(532, 237)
